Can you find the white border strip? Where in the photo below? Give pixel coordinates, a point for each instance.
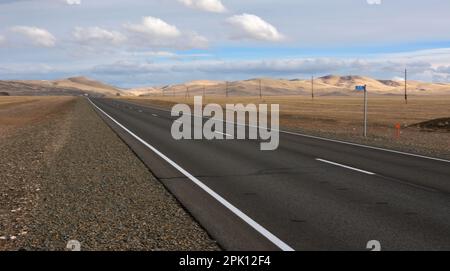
(322, 138)
(344, 166)
(272, 238)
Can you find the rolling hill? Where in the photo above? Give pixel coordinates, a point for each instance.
(69, 86)
(330, 85)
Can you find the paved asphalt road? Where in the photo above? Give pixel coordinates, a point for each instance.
(310, 194)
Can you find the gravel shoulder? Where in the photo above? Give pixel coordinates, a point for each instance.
(69, 177)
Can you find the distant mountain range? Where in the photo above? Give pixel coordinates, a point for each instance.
(330, 85)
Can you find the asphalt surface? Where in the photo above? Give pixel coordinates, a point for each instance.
(311, 194)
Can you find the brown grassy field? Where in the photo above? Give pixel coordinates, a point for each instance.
(342, 117)
(16, 112)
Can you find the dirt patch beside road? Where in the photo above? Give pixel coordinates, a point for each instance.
(67, 176)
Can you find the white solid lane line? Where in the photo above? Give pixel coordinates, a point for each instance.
(263, 231)
(344, 166)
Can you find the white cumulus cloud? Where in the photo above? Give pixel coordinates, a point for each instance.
(206, 5)
(154, 28)
(194, 40)
(38, 36)
(73, 2)
(156, 33)
(90, 35)
(248, 26)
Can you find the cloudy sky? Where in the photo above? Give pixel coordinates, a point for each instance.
(157, 42)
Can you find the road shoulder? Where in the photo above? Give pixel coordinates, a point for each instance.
(71, 178)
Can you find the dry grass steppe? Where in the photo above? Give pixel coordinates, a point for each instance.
(17, 112)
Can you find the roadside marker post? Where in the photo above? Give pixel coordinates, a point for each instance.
(397, 129)
(364, 88)
(365, 110)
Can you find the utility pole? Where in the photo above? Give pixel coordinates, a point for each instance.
(187, 92)
(204, 92)
(260, 89)
(226, 89)
(406, 86)
(312, 87)
(364, 88)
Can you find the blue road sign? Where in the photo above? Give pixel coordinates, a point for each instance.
(360, 88)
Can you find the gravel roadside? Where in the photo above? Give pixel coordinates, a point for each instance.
(70, 177)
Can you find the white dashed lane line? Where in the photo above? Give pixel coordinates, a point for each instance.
(344, 166)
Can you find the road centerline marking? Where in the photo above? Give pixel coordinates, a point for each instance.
(252, 223)
(345, 166)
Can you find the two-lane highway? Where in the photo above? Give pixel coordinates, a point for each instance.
(310, 194)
